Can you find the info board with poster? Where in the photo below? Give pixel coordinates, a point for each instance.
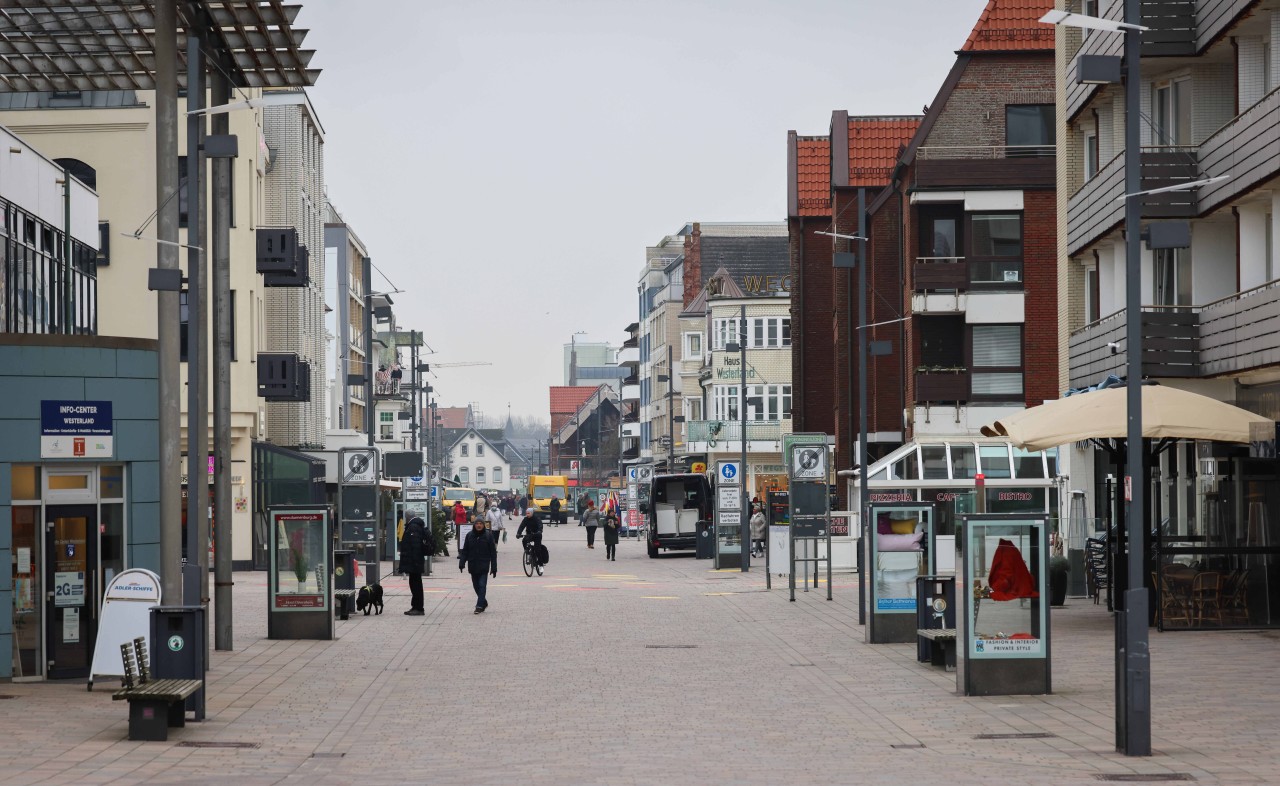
(125, 615)
(299, 595)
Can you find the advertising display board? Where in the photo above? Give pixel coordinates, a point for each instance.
(299, 594)
(1003, 628)
(899, 543)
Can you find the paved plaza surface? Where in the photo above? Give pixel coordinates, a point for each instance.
(646, 671)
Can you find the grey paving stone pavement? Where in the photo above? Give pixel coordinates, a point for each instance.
(647, 671)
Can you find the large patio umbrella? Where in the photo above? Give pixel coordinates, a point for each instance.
(1166, 413)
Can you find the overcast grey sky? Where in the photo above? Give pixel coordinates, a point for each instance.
(507, 161)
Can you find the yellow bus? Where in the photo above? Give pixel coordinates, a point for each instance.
(542, 488)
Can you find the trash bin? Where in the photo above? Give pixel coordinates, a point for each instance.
(931, 615)
(178, 648)
(344, 569)
(706, 543)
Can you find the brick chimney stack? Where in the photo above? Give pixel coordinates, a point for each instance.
(693, 264)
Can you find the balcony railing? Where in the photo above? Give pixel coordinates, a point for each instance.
(1241, 332)
(992, 165)
(1243, 150)
(937, 385)
(721, 431)
(1170, 346)
(941, 273)
(1096, 208)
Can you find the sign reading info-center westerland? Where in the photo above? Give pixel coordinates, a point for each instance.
(76, 429)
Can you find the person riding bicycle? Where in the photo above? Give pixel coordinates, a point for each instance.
(533, 524)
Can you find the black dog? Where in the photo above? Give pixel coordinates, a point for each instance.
(369, 598)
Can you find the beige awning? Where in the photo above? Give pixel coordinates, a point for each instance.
(1101, 414)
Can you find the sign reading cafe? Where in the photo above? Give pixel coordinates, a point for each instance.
(76, 429)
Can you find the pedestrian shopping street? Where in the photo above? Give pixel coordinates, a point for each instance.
(645, 671)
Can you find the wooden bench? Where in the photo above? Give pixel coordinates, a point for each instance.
(344, 602)
(154, 705)
(943, 646)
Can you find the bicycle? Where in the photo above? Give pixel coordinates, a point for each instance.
(531, 561)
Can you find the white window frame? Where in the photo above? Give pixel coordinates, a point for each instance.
(769, 332)
(1091, 154)
(724, 332)
(725, 400)
(495, 476)
(464, 475)
(465, 450)
(480, 476)
(690, 352)
(479, 449)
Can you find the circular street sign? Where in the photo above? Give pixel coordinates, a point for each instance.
(176, 643)
(358, 463)
(416, 478)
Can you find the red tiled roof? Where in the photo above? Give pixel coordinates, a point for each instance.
(1011, 25)
(813, 175)
(452, 417)
(873, 147)
(566, 400)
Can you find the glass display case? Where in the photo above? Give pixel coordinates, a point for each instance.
(1002, 576)
(301, 562)
(900, 547)
(728, 546)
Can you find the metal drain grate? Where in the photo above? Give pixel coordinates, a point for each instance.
(908, 746)
(1032, 735)
(211, 744)
(329, 755)
(1135, 777)
(671, 646)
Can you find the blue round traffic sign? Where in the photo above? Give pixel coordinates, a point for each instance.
(416, 478)
(728, 471)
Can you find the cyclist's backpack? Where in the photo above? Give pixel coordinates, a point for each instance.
(543, 555)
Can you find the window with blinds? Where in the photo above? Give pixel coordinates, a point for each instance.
(997, 361)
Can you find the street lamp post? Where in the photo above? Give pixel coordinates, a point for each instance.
(1133, 657)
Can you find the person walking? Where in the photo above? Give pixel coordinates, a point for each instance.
(581, 506)
(459, 513)
(479, 555)
(415, 545)
(611, 535)
(591, 520)
(555, 510)
(497, 521)
(759, 531)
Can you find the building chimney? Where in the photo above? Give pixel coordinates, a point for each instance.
(693, 264)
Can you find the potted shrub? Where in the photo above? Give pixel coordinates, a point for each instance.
(1059, 570)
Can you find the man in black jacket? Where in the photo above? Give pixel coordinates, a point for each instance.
(555, 510)
(415, 545)
(479, 553)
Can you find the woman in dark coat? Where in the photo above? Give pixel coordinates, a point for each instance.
(415, 545)
(611, 535)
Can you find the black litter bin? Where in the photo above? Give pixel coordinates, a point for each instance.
(706, 544)
(344, 569)
(178, 648)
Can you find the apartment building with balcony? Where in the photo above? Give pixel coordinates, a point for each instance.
(348, 262)
(661, 293)
(629, 397)
(827, 174)
(106, 138)
(1211, 311)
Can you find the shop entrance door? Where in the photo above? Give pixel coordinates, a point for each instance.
(71, 579)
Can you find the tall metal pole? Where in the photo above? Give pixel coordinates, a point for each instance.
(860, 329)
(220, 247)
(744, 532)
(169, 371)
(1134, 727)
(197, 340)
(671, 414)
(368, 348)
(417, 383)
